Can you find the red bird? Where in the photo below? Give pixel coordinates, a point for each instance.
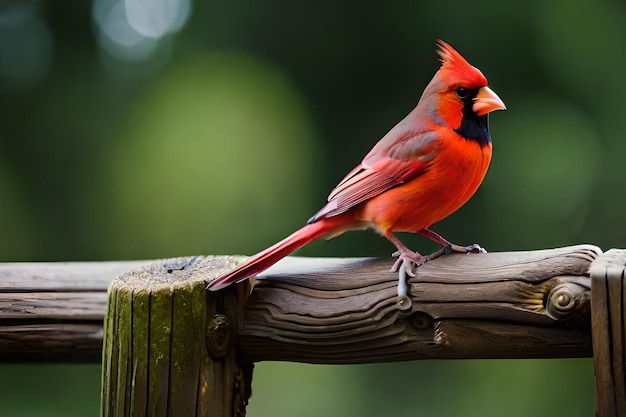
(420, 172)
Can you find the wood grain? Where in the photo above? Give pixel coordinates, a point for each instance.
(53, 311)
(332, 310)
(608, 275)
(167, 345)
(501, 305)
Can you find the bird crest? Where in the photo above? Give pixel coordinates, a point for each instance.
(455, 67)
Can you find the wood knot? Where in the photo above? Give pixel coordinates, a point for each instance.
(565, 301)
(421, 321)
(218, 336)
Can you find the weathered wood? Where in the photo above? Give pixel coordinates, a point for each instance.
(608, 280)
(499, 305)
(311, 306)
(53, 311)
(167, 343)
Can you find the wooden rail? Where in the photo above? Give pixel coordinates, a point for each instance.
(164, 331)
(54, 311)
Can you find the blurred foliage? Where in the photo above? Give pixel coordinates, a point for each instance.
(219, 127)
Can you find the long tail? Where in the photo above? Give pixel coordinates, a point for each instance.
(263, 260)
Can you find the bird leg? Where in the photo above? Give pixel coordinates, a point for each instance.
(409, 260)
(406, 256)
(447, 246)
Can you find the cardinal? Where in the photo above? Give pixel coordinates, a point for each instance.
(420, 172)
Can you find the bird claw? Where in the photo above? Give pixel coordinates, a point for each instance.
(409, 260)
(447, 250)
(475, 248)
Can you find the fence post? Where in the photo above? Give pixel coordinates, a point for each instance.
(608, 327)
(168, 345)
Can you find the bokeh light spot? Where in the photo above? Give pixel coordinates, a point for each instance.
(25, 46)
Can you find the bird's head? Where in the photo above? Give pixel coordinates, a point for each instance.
(463, 98)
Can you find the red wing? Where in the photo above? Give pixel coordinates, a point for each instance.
(383, 168)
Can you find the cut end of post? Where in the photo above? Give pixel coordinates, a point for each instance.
(168, 342)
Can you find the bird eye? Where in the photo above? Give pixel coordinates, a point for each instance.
(461, 92)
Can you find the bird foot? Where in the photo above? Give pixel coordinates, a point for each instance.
(446, 250)
(474, 248)
(409, 259)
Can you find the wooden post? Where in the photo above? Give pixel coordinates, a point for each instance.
(608, 324)
(169, 344)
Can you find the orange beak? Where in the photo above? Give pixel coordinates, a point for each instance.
(487, 101)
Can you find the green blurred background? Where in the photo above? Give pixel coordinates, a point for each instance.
(219, 127)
